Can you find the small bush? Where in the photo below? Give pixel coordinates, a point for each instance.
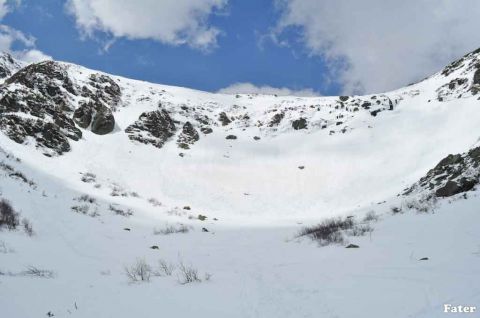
(188, 274)
(395, 210)
(165, 268)
(360, 230)
(8, 216)
(4, 248)
(329, 231)
(154, 202)
(371, 216)
(82, 209)
(89, 177)
(171, 229)
(86, 198)
(140, 271)
(118, 211)
(27, 227)
(37, 272)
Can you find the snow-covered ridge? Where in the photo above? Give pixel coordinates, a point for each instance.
(242, 150)
(108, 173)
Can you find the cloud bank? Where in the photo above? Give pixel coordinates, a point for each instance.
(378, 45)
(249, 88)
(173, 22)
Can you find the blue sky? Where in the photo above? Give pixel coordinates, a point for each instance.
(327, 47)
(242, 53)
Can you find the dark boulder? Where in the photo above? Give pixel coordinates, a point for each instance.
(300, 123)
(455, 187)
(206, 130)
(153, 128)
(276, 119)
(103, 122)
(83, 115)
(231, 137)
(476, 77)
(223, 118)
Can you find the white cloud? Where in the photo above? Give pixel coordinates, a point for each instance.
(6, 6)
(10, 36)
(249, 88)
(173, 22)
(377, 45)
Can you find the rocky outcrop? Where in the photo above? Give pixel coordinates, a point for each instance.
(300, 123)
(47, 136)
(452, 175)
(96, 116)
(152, 128)
(188, 136)
(223, 118)
(102, 89)
(276, 119)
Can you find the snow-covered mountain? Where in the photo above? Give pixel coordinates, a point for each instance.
(104, 167)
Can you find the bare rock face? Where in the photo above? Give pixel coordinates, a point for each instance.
(43, 93)
(103, 122)
(300, 123)
(97, 115)
(276, 119)
(223, 118)
(188, 136)
(102, 89)
(48, 136)
(83, 115)
(454, 174)
(152, 128)
(46, 94)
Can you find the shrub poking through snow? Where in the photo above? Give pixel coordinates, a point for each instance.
(27, 227)
(128, 212)
(330, 231)
(8, 216)
(371, 216)
(37, 272)
(171, 229)
(165, 268)
(187, 274)
(139, 272)
(334, 230)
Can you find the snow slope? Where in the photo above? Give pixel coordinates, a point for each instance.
(355, 155)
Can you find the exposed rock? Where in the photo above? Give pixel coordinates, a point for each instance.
(188, 136)
(455, 187)
(352, 246)
(83, 115)
(103, 121)
(47, 136)
(153, 128)
(344, 98)
(223, 118)
(276, 119)
(256, 138)
(106, 90)
(206, 130)
(300, 123)
(476, 77)
(452, 175)
(231, 137)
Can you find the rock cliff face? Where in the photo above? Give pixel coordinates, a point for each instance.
(52, 104)
(41, 104)
(152, 128)
(454, 174)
